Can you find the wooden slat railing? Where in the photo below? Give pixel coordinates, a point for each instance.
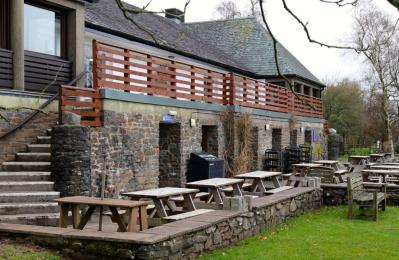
(85, 102)
(6, 70)
(133, 71)
(129, 70)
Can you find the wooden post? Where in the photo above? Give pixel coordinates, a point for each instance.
(232, 90)
(95, 64)
(60, 107)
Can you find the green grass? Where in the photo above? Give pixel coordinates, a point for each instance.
(325, 234)
(16, 252)
(358, 151)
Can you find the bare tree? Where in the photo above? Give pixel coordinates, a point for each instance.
(378, 32)
(228, 10)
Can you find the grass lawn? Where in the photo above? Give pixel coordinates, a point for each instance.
(326, 234)
(11, 250)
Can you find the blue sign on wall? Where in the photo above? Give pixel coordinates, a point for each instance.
(166, 118)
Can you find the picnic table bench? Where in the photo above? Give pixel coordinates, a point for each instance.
(377, 157)
(358, 194)
(216, 186)
(359, 159)
(386, 175)
(162, 199)
(301, 170)
(259, 177)
(135, 210)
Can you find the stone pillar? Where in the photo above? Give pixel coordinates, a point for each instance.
(17, 43)
(76, 41)
(70, 160)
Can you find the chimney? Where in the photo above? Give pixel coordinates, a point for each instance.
(175, 14)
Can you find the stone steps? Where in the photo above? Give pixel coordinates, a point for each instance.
(33, 157)
(39, 148)
(23, 197)
(26, 190)
(25, 176)
(41, 219)
(43, 140)
(26, 166)
(28, 208)
(24, 186)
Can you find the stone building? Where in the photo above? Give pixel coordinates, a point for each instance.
(156, 95)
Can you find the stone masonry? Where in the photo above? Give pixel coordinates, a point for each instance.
(70, 155)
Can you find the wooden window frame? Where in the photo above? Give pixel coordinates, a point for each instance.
(63, 20)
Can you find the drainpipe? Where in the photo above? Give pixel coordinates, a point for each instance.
(17, 43)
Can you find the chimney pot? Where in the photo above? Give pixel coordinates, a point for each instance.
(174, 14)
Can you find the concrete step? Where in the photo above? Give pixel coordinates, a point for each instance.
(16, 186)
(39, 148)
(26, 166)
(40, 219)
(28, 208)
(33, 157)
(43, 139)
(21, 197)
(25, 176)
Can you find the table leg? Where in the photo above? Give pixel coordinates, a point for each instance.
(217, 196)
(86, 217)
(143, 218)
(276, 182)
(63, 221)
(75, 215)
(117, 218)
(254, 186)
(261, 185)
(189, 202)
(171, 204)
(161, 211)
(237, 190)
(132, 223)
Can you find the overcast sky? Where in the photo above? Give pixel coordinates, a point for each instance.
(327, 23)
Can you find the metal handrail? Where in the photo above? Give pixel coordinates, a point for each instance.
(44, 105)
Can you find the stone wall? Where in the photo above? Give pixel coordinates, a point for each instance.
(70, 160)
(17, 141)
(127, 149)
(170, 155)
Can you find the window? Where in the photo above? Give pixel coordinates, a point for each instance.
(43, 30)
(4, 24)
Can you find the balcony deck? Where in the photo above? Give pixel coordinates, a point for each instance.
(141, 73)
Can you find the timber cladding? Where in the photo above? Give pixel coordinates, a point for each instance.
(6, 71)
(42, 70)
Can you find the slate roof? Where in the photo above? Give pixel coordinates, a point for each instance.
(249, 43)
(242, 45)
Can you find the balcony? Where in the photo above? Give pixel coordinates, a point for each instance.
(141, 73)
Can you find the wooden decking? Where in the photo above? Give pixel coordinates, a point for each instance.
(152, 235)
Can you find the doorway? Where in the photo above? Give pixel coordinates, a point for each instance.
(169, 155)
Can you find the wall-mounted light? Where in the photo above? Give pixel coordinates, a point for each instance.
(267, 127)
(193, 122)
(172, 113)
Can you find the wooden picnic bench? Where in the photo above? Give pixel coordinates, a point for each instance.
(381, 175)
(359, 159)
(358, 194)
(377, 157)
(258, 179)
(162, 199)
(135, 210)
(327, 174)
(216, 186)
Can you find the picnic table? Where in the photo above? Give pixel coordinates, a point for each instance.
(385, 174)
(259, 177)
(303, 168)
(384, 167)
(359, 159)
(162, 199)
(377, 157)
(216, 187)
(330, 163)
(135, 210)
